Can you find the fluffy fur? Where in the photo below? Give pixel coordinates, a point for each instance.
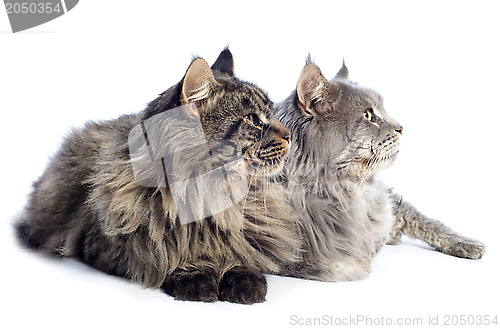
(341, 136)
(88, 204)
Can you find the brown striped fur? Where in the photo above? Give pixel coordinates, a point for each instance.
(88, 205)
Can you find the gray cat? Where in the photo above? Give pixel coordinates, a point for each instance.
(341, 136)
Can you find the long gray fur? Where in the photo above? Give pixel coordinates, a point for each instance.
(341, 136)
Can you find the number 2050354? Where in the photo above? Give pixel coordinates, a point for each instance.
(33, 8)
(470, 320)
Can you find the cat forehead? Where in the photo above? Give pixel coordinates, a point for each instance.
(243, 96)
(238, 86)
(246, 91)
(358, 94)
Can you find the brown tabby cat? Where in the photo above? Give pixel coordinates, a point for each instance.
(92, 204)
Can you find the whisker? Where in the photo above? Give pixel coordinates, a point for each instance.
(248, 191)
(264, 181)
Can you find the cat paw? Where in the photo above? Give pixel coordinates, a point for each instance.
(198, 286)
(336, 270)
(465, 249)
(394, 239)
(243, 286)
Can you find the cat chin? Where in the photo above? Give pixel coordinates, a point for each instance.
(264, 167)
(363, 170)
(377, 163)
(388, 161)
(276, 170)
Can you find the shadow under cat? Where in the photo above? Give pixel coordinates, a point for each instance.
(187, 195)
(341, 136)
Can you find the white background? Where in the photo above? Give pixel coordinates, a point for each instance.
(435, 62)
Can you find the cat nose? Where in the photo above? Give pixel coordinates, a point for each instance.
(287, 137)
(400, 130)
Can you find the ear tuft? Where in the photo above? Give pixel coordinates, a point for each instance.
(197, 82)
(309, 59)
(225, 62)
(311, 88)
(343, 73)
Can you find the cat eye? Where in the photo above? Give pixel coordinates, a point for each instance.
(256, 121)
(368, 114)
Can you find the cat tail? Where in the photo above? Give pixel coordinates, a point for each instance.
(412, 223)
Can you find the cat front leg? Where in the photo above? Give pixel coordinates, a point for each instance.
(333, 270)
(411, 222)
(349, 269)
(239, 284)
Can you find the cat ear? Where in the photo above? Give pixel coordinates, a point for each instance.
(343, 73)
(311, 88)
(197, 82)
(225, 62)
